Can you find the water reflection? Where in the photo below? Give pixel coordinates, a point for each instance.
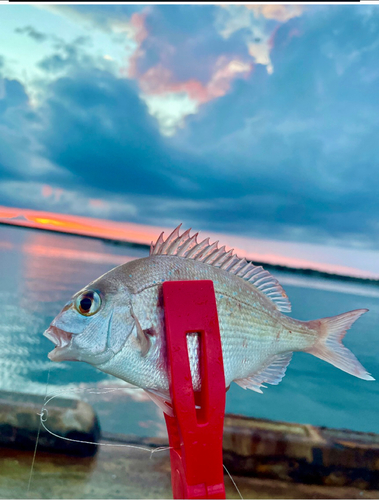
(48, 274)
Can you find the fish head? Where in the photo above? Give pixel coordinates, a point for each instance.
(94, 325)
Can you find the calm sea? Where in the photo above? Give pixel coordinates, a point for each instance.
(39, 271)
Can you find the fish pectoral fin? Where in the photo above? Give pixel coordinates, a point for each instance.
(272, 373)
(142, 339)
(162, 400)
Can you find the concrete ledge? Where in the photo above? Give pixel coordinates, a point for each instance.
(255, 448)
(301, 453)
(69, 418)
(118, 472)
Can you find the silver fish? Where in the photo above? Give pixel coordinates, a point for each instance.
(116, 323)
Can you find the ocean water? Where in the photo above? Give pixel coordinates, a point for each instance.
(39, 271)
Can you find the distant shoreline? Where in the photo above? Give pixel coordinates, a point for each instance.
(277, 267)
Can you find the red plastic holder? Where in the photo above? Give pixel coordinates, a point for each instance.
(195, 434)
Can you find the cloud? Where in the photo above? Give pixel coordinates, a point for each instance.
(220, 46)
(93, 127)
(20, 153)
(98, 129)
(281, 13)
(32, 33)
(212, 64)
(303, 137)
(289, 154)
(159, 81)
(184, 56)
(64, 54)
(257, 24)
(13, 105)
(12, 95)
(107, 18)
(39, 196)
(70, 54)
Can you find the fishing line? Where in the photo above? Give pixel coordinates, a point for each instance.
(45, 413)
(234, 483)
(38, 433)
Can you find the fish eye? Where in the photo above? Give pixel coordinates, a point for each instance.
(88, 303)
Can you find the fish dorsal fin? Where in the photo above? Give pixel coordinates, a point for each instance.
(187, 246)
(272, 373)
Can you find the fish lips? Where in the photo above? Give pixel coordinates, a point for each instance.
(65, 351)
(63, 342)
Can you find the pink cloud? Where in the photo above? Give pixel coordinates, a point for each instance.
(281, 13)
(137, 22)
(97, 203)
(48, 191)
(160, 80)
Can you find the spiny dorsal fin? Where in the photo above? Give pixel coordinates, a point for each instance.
(272, 373)
(188, 247)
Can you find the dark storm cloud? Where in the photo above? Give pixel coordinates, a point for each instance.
(13, 95)
(307, 134)
(97, 128)
(94, 127)
(20, 158)
(13, 139)
(32, 33)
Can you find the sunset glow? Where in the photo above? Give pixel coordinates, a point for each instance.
(334, 261)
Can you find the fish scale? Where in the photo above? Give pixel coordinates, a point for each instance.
(244, 314)
(122, 332)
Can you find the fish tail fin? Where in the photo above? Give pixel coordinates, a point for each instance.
(329, 345)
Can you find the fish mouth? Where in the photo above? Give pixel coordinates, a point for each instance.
(62, 341)
(66, 351)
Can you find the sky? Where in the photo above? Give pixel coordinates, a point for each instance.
(260, 121)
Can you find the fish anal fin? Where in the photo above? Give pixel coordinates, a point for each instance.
(272, 373)
(249, 383)
(162, 400)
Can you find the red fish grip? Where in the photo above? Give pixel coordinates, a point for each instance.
(195, 433)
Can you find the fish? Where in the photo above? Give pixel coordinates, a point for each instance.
(116, 323)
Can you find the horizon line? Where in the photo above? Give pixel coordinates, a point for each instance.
(134, 234)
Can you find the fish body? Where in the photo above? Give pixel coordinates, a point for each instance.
(116, 323)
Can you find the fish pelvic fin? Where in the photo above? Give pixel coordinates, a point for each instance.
(162, 400)
(329, 345)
